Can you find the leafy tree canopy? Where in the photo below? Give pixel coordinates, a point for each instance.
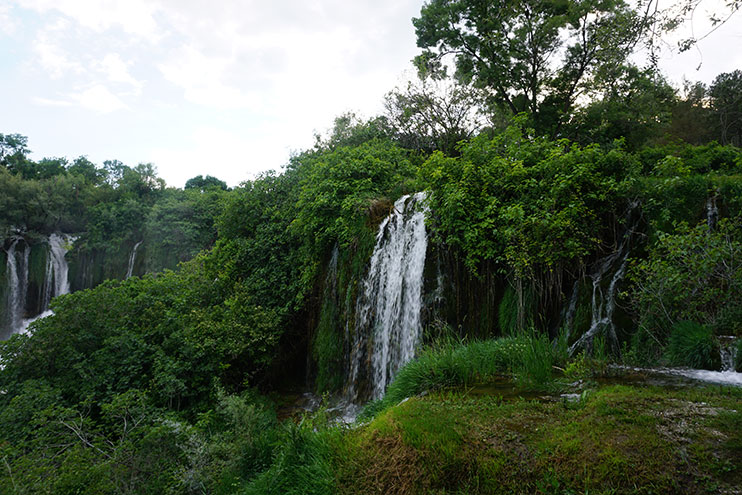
(203, 183)
(535, 57)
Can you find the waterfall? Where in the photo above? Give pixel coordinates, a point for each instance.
(569, 312)
(56, 281)
(132, 258)
(728, 352)
(387, 321)
(712, 213)
(603, 304)
(17, 284)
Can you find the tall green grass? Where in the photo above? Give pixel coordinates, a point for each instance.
(528, 359)
(302, 463)
(692, 344)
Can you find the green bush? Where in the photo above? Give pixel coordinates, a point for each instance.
(693, 345)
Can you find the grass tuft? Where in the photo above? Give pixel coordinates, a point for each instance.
(528, 358)
(692, 344)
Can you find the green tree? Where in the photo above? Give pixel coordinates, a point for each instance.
(432, 114)
(83, 167)
(13, 150)
(634, 105)
(338, 186)
(535, 57)
(691, 119)
(202, 183)
(726, 106)
(693, 274)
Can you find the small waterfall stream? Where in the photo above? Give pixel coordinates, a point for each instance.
(728, 352)
(55, 282)
(603, 302)
(17, 275)
(132, 259)
(387, 322)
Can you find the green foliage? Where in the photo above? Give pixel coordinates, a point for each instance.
(634, 107)
(516, 313)
(532, 370)
(13, 150)
(529, 205)
(256, 248)
(691, 344)
(430, 115)
(302, 463)
(726, 104)
(170, 335)
(328, 349)
(203, 184)
(180, 225)
(338, 186)
(533, 57)
(693, 274)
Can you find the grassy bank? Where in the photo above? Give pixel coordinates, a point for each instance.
(614, 440)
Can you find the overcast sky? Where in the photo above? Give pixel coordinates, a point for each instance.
(228, 88)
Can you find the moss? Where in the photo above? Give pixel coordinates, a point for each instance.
(328, 349)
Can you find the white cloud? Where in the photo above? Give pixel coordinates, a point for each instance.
(8, 25)
(213, 151)
(47, 102)
(201, 78)
(116, 70)
(52, 58)
(134, 17)
(99, 99)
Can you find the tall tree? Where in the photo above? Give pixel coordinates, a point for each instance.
(726, 106)
(203, 184)
(535, 56)
(431, 114)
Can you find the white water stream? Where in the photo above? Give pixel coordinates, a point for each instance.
(387, 324)
(17, 275)
(56, 281)
(132, 259)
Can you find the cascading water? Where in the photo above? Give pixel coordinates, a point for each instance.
(132, 259)
(712, 213)
(728, 352)
(17, 275)
(56, 281)
(387, 324)
(604, 304)
(569, 312)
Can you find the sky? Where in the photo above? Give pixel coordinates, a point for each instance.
(229, 88)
